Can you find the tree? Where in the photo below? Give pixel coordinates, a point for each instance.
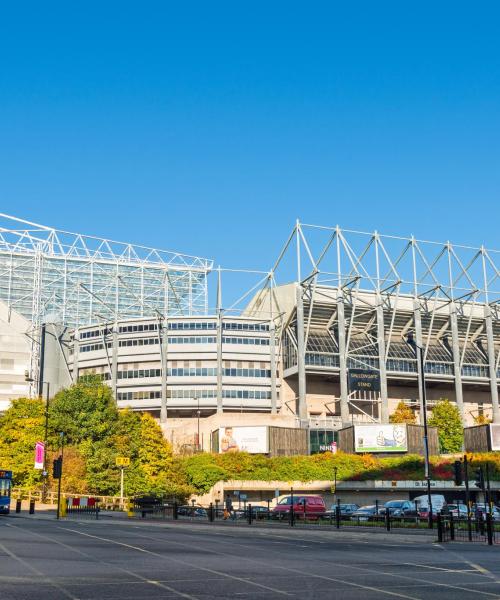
(21, 426)
(446, 417)
(403, 414)
(84, 411)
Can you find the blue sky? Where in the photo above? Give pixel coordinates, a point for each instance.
(208, 128)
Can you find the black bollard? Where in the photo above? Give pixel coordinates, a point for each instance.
(32, 507)
(18, 506)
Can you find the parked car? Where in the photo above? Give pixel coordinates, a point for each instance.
(313, 507)
(367, 513)
(346, 510)
(482, 509)
(400, 508)
(192, 511)
(258, 512)
(438, 504)
(459, 511)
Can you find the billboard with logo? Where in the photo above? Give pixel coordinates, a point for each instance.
(243, 439)
(380, 438)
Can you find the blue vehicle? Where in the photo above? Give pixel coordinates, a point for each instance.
(5, 490)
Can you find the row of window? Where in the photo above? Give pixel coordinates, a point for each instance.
(138, 342)
(246, 340)
(194, 394)
(84, 335)
(134, 374)
(245, 326)
(188, 325)
(179, 340)
(193, 372)
(139, 395)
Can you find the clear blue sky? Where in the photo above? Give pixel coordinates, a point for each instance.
(208, 128)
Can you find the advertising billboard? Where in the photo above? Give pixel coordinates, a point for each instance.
(243, 439)
(380, 438)
(495, 436)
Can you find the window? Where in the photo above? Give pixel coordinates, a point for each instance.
(246, 340)
(246, 326)
(138, 328)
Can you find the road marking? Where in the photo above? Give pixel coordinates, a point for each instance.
(294, 571)
(127, 571)
(206, 569)
(30, 567)
(440, 568)
(347, 566)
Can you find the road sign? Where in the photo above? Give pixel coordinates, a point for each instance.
(363, 380)
(122, 461)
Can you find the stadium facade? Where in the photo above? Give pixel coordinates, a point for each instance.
(334, 301)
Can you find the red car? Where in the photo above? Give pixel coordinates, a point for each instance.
(313, 507)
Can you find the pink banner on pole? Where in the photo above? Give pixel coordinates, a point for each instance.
(39, 455)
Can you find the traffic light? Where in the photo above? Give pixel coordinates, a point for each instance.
(57, 468)
(457, 466)
(479, 478)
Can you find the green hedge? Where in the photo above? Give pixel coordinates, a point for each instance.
(202, 471)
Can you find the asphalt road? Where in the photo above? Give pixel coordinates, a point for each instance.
(113, 560)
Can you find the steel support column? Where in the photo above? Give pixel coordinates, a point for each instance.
(76, 355)
(114, 359)
(384, 400)
(220, 408)
(164, 369)
(344, 391)
(301, 409)
(272, 351)
(417, 321)
(488, 320)
(457, 367)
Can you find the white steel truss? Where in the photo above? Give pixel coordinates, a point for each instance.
(360, 294)
(77, 280)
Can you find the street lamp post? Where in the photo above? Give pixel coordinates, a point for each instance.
(45, 474)
(335, 481)
(420, 357)
(45, 442)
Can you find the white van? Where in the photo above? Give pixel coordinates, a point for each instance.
(438, 502)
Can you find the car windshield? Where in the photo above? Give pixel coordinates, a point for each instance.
(394, 504)
(366, 509)
(285, 500)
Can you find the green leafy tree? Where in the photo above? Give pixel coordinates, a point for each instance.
(21, 426)
(84, 411)
(403, 414)
(446, 417)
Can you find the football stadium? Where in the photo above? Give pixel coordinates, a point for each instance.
(342, 327)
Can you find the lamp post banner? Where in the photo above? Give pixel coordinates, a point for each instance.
(39, 455)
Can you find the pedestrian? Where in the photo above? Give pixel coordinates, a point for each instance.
(229, 508)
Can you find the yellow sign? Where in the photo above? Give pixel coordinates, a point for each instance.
(122, 461)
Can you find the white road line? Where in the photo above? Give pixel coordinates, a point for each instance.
(350, 566)
(127, 571)
(206, 569)
(294, 571)
(44, 577)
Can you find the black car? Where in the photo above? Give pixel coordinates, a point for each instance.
(400, 508)
(367, 513)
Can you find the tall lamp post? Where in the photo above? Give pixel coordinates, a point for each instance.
(419, 354)
(45, 473)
